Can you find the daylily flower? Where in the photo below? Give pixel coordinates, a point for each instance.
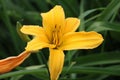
(58, 34)
(9, 63)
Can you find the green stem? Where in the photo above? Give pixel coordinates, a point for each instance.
(39, 58)
(45, 61)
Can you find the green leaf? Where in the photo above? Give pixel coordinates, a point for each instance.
(95, 70)
(98, 59)
(33, 70)
(88, 12)
(103, 26)
(110, 9)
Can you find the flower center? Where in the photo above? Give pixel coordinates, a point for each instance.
(56, 36)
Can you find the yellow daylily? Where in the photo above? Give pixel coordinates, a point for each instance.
(58, 34)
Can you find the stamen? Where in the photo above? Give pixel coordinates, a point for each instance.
(56, 35)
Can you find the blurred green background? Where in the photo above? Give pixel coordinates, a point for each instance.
(102, 63)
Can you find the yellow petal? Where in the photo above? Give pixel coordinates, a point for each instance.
(37, 43)
(9, 63)
(33, 30)
(81, 40)
(55, 17)
(71, 24)
(56, 61)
